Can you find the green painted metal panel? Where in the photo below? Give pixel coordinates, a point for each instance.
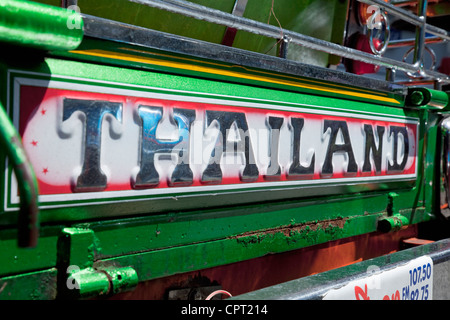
(167, 236)
(323, 19)
(181, 228)
(178, 229)
(197, 256)
(40, 285)
(17, 260)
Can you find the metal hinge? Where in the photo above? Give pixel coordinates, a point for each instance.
(78, 278)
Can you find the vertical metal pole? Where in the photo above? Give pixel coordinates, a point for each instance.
(230, 33)
(420, 35)
(438, 85)
(283, 47)
(28, 218)
(390, 74)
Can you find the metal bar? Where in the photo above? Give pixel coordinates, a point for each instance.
(283, 47)
(239, 7)
(416, 82)
(230, 33)
(411, 42)
(437, 31)
(408, 17)
(390, 75)
(28, 221)
(120, 32)
(219, 17)
(404, 3)
(392, 9)
(420, 35)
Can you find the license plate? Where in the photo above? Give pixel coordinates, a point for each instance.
(410, 281)
(91, 141)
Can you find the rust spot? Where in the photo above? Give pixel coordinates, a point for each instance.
(291, 230)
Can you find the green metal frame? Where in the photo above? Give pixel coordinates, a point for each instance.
(159, 245)
(114, 251)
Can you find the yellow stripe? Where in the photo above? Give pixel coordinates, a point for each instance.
(191, 67)
(239, 66)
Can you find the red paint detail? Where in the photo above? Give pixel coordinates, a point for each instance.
(34, 143)
(361, 42)
(45, 170)
(229, 36)
(361, 294)
(45, 188)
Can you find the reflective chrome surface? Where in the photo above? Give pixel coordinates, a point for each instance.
(215, 16)
(151, 146)
(115, 31)
(387, 32)
(92, 177)
(230, 33)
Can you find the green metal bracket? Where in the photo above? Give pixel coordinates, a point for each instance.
(394, 223)
(95, 282)
(390, 207)
(77, 276)
(432, 99)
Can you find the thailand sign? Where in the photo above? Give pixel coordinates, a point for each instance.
(91, 141)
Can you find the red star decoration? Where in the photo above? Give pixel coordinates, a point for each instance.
(43, 111)
(45, 170)
(34, 143)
